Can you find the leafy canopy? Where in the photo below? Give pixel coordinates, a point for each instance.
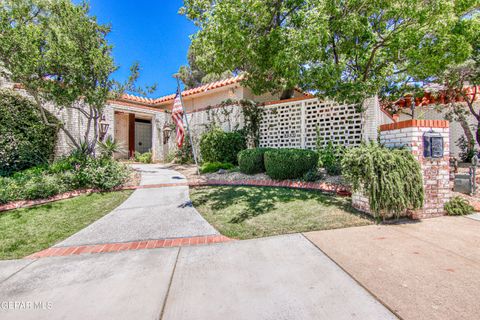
(340, 49)
(61, 56)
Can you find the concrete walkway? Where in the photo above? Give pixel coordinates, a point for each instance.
(148, 214)
(423, 270)
(282, 277)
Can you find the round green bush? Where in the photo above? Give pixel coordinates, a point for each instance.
(458, 206)
(283, 164)
(25, 141)
(251, 161)
(221, 146)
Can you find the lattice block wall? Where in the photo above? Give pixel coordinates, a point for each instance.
(294, 124)
(341, 124)
(281, 126)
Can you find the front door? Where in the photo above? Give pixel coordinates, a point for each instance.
(143, 135)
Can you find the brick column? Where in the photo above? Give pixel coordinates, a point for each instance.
(435, 171)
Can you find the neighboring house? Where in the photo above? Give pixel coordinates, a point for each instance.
(429, 108)
(142, 124)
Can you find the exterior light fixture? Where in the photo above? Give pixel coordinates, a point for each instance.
(103, 127)
(167, 130)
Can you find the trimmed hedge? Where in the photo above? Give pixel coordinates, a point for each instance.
(25, 141)
(251, 161)
(221, 146)
(283, 164)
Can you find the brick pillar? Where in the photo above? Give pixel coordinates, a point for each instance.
(435, 171)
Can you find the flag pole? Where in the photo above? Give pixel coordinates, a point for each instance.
(188, 125)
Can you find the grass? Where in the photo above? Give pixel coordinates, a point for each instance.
(26, 231)
(251, 212)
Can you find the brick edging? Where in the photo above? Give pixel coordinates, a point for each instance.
(125, 246)
(61, 196)
(320, 186)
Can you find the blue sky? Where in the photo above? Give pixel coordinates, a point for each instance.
(148, 31)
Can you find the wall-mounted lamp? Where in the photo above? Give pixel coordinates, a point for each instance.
(167, 130)
(103, 127)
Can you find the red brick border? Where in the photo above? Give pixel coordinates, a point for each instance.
(124, 246)
(322, 186)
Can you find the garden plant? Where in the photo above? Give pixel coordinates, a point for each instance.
(390, 178)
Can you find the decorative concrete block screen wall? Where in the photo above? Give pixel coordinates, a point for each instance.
(435, 171)
(294, 123)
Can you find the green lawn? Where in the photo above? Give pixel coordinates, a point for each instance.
(25, 231)
(250, 212)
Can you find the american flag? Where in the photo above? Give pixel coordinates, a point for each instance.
(177, 116)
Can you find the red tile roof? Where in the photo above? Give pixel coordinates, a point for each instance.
(201, 89)
(185, 93)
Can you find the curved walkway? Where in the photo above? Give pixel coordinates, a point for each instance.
(283, 277)
(148, 214)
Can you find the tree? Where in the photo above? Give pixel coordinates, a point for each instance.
(457, 85)
(192, 76)
(60, 55)
(347, 50)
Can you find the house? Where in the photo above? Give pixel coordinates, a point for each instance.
(140, 122)
(143, 124)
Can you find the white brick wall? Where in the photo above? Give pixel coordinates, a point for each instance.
(456, 131)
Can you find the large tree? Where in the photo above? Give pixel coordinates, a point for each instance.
(346, 50)
(60, 55)
(193, 76)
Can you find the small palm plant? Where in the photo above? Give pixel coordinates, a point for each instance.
(110, 146)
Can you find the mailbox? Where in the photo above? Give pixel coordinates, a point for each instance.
(432, 145)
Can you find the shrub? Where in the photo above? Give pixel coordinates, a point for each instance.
(251, 161)
(208, 167)
(289, 163)
(390, 178)
(220, 146)
(64, 175)
(143, 157)
(103, 174)
(110, 146)
(25, 141)
(330, 158)
(458, 206)
(311, 175)
(184, 155)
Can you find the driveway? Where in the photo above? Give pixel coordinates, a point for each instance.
(282, 277)
(423, 270)
(156, 212)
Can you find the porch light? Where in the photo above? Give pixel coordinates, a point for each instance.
(103, 124)
(167, 130)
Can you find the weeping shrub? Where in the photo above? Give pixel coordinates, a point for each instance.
(390, 178)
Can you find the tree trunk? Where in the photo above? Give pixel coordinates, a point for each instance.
(466, 129)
